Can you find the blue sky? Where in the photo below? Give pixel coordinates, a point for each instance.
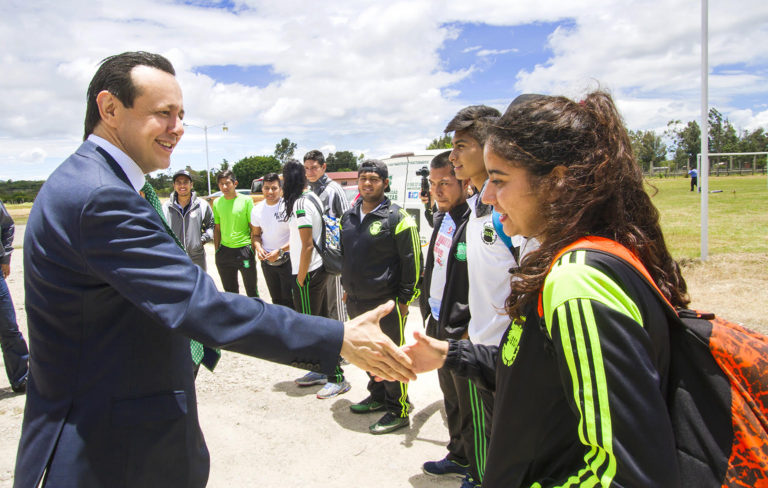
(372, 77)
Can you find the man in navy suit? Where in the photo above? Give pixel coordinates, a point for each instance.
(112, 302)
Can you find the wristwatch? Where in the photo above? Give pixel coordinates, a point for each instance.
(280, 254)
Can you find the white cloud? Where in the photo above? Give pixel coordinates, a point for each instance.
(34, 155)
(364, 73)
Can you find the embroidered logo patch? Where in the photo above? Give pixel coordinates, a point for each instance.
(489, 234)
(461, 251)
(375, 228)
(512, 344)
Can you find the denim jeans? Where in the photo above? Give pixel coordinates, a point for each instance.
(15, 351)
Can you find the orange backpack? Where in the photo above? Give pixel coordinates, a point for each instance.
(718, 389)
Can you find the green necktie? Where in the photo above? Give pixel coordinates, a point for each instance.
(198, 350)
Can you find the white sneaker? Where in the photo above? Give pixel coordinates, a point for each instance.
(331, 390)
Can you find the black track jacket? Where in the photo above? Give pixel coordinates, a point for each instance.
(381, 254)
(454, 309)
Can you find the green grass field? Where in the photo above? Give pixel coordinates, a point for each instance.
(738, 217)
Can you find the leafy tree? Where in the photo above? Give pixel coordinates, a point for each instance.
(442, 142)
(648, 148)
(722, 135)
(250, 168)
(284, 150)
(755, 141)
(686, 142)
(341, 161)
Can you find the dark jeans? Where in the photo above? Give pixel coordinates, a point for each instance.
(15, 351)
(393, 394)
(279, 281)
(694, 182)
(230, 260)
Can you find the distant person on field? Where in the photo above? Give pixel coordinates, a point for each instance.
(334, 205)
(381, 262)
(270, 235)
(232, 236)
(15, 351)
(309, 278)
(694, 174)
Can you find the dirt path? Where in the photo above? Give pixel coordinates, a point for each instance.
(262, 430)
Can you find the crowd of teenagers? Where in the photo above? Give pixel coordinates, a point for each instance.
(553, 358)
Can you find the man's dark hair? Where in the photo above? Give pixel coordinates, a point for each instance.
(441, 161)
(474, 121)
(315, 155)
(273, 177)
(227, 173)
(114, 76)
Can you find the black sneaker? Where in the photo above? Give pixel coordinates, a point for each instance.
(389, 423)
(445, 466)
(366, 406)
(20, 387)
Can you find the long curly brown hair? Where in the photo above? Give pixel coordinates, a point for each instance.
(579, 161)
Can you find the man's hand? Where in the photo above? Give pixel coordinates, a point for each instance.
(272, 256)
(6, 270)
(366, 346)
(261, 253)
(426, 353)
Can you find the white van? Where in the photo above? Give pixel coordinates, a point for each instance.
(405, 186)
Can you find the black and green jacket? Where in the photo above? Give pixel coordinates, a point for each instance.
(381, 254)
(454, 309)
(581, 394)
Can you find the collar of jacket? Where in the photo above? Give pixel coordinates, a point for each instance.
(319, 185)
(459, 212)
(481, 209)
(192, 198)
(381, 210)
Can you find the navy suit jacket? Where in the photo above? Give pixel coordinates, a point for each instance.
(112, 302)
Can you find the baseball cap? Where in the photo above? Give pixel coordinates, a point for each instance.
(181, 172)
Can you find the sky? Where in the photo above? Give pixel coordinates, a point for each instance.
(372, 77)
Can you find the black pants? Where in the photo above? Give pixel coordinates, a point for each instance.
(393, 394)
(311, 299)
(15, 351)
(279, 281)
(458, 408)
(694, 182)
(230, 260)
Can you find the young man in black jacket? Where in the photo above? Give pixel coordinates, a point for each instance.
(382, 261)
(445, 308)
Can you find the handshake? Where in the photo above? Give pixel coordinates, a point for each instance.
(367, 347)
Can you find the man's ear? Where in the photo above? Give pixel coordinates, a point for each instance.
(109, 107)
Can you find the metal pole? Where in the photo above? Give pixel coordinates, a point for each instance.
(704, 174)
(207, 164)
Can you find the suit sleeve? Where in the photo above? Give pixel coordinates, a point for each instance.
(409, 249)
(123, 242)
(609, 377)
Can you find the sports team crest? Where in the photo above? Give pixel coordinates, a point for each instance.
(489, 234)
(375, 228)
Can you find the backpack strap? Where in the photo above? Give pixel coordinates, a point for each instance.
(613, 248)
(315, 201)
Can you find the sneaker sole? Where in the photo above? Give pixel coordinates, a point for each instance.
(335, 394)
(311, 383)
(458, 476)
(388, 430)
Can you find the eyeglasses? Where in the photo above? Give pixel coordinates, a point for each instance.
(369, 179)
